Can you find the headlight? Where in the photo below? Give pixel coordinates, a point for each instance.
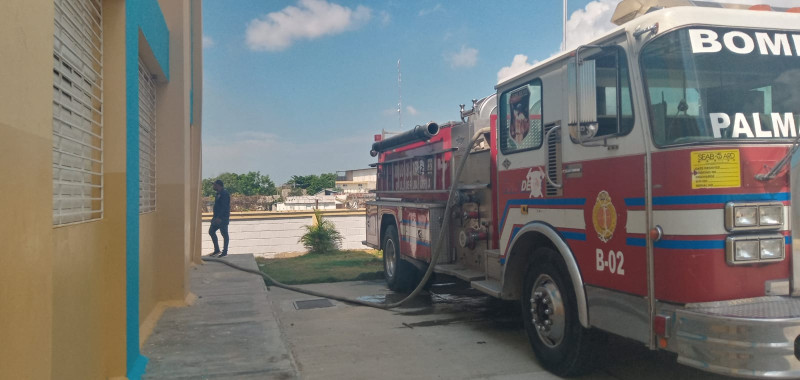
(771, 249)
(745, 250)
(749, 216)
(751, 249)
(745, 216)
(770, 215)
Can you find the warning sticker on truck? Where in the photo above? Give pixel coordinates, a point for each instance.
(713, 169)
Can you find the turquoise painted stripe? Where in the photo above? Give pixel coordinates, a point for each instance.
(678, 244)
(636, 242)
(514, 232)
(134, 358)
(709, 199)
(540, 202)
(150, 20)
(569, 235)
(144, 16)
(686, 244)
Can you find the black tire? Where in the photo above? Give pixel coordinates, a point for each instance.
(550, 315)
(400, 275)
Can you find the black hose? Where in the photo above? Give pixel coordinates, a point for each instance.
(418, 133)
(290, 287)
(434, 258)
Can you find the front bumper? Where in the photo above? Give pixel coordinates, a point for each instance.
(754, 337)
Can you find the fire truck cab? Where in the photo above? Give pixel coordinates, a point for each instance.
(638, 185)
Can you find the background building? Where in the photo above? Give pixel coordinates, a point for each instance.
(308, 202)
(100, 120)
(357, 180)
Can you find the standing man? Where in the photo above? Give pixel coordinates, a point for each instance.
(222, 215)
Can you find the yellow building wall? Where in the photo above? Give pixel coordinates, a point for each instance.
(89, 258)
(63, 289)
(166, 235)
(26, 129)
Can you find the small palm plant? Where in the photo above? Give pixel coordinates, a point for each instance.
(322, 237)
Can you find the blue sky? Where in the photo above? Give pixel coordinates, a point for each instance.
(300, 87)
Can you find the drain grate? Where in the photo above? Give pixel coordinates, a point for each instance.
(313, 304)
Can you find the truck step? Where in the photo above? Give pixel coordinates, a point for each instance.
(460, 271)
(490, 287)
(494, 270)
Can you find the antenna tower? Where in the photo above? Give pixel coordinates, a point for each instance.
(399, 96)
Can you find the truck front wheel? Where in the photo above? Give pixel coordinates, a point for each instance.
(549, 311)
(399, 274)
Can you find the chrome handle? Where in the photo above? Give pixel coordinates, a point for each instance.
(547, 172)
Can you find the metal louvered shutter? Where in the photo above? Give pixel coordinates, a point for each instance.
(77, 111)
(147, 140)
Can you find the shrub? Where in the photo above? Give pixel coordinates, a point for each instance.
(321, 237)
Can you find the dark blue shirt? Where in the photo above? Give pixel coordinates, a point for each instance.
(222, 205)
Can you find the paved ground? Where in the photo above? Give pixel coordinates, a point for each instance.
(230, 332)
(239, 330)
(453, 333)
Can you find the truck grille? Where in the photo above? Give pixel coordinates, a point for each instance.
(553, 160)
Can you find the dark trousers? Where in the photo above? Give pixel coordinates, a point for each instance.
(223, 229)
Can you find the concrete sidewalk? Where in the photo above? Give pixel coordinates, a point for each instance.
(230, 332)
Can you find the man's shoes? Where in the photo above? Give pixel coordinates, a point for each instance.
(223, 254)
(215, 254)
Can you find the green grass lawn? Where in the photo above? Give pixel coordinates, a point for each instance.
(316, 268)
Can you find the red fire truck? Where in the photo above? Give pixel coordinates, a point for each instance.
(638, 185)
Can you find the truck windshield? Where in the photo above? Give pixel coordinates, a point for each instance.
(709, 84)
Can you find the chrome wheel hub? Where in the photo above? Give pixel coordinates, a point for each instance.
(547, 311)
(389, 253)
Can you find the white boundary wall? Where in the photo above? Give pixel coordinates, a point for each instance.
(276, 234)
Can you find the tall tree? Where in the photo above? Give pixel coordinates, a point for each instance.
(300, 181)
(322, 182)
(251, 183)
(313, 183)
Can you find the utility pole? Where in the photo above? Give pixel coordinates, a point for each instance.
(564, 25)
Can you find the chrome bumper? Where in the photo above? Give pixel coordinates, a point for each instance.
(754, 337)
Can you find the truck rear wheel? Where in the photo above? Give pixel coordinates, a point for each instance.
(550, 315)
(399, 274)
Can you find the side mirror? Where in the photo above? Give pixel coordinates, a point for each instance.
(597, 97)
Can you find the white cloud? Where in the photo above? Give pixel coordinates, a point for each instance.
(466, 57)
(310, 19)
(207, 42)
(427, 11)
(411, 111)
(593, 21)
(518, 65)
